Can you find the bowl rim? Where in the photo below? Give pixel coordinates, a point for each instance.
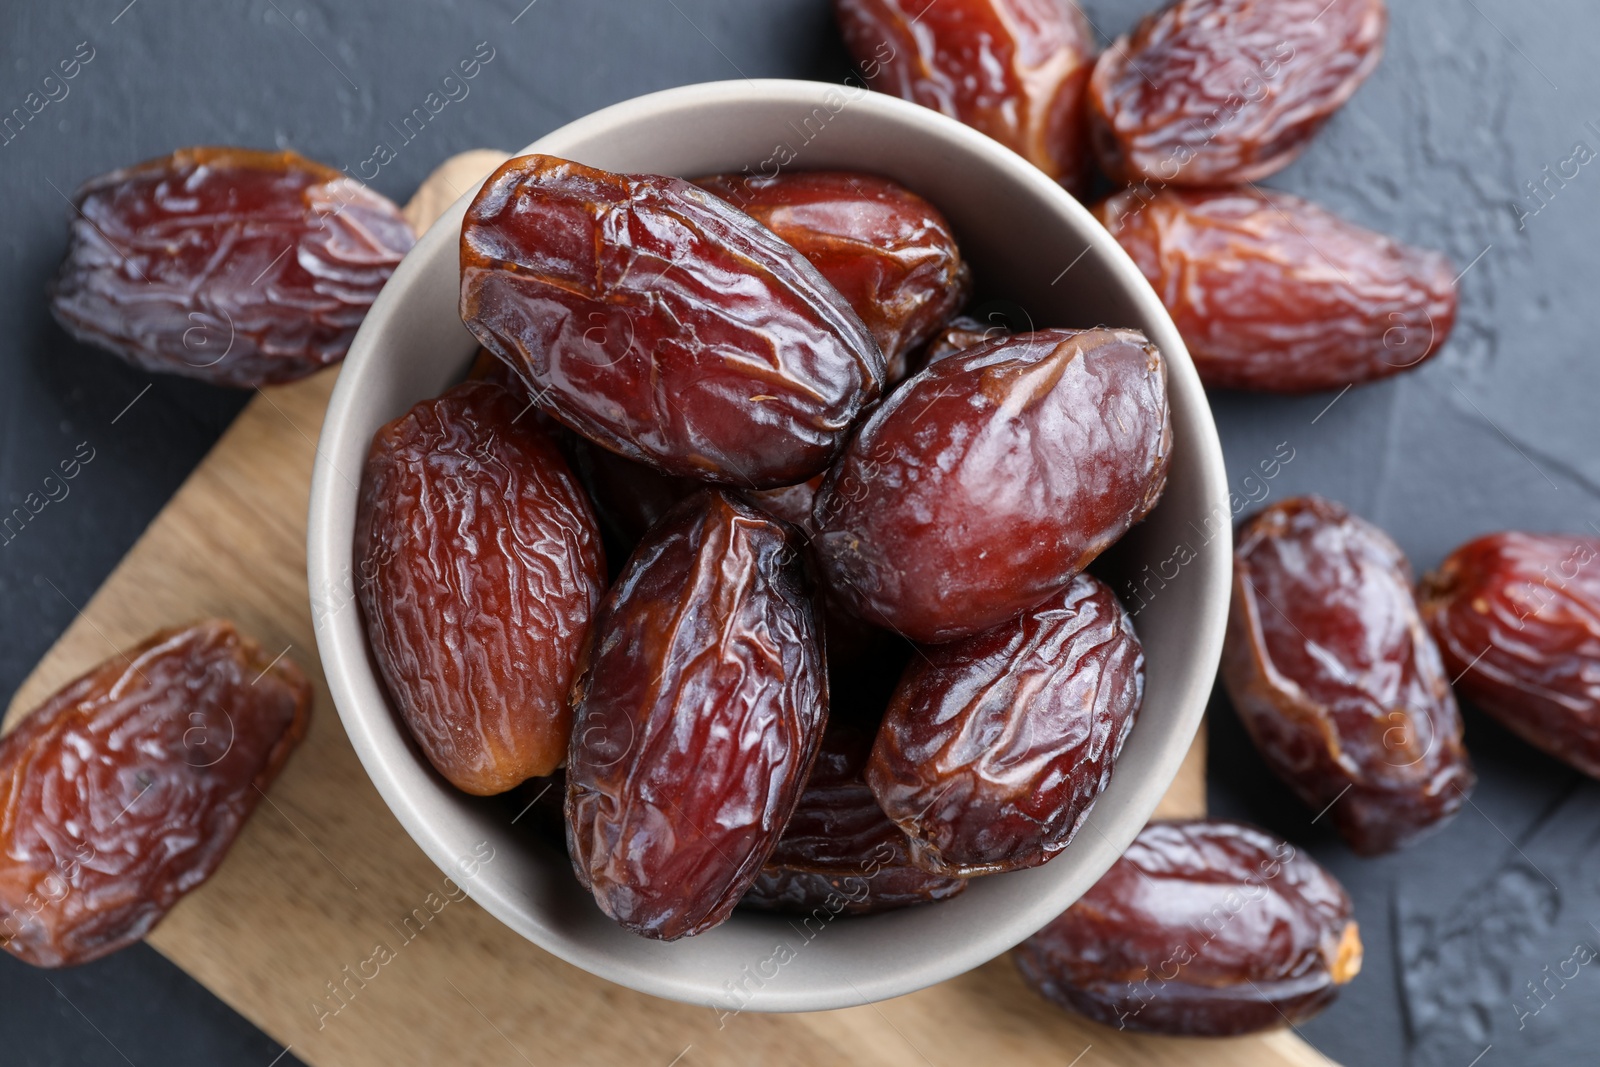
(351, 681)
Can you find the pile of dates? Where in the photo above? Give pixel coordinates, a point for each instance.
(1343, 670)
(1181, 117)
(734, 528)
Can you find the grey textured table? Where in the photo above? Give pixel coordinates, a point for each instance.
(1467, 934)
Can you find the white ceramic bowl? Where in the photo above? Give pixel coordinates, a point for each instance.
(1029, 242)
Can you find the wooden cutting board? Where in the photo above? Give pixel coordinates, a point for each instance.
(286, 930)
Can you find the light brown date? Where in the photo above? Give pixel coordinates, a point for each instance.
(479, 570)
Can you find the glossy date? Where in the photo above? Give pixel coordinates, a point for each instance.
(1272, 293)
(700, 710)
(479, 570)
(889, 252)
(1337, 680)
(1517, 618)
(1013, 69)
(661, 323)
(124, 790)
(1222, 92)
(1041, 450)
(995, 747)
(233, 266)
(1204, 928)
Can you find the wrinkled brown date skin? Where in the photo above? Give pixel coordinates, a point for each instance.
(889, 252)
(125, 790)
(994, 748)
(839, 851)
(1013, 69)
(700, 710)
(233, 266)
(1337, 680)
(1274, 294)
(479, 570)
(1222, 92)
(987, 482)
(1203, 928)
(1517, 618)
(656, 320)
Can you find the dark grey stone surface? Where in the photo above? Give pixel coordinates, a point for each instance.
(1475, 99)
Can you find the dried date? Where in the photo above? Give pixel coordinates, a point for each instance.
(987, 482)
(1272, 293)
(994, 748)
(1221, 92)
(1517, 618)
(1016, 70)
(480, 568)
(889, 252)
(662, 323)
(1337, 681)
(125, 790)
(237, 267)
(1205, 928)
(839, 852)
(700, 710)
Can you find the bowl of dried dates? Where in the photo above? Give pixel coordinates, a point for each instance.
(770, 544)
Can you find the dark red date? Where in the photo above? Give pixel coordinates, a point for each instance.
(1336, 678)
(1517, 617)
(656, 320)
(1013, 69)
(987, 482)
(1221, 92)
(1274, 294)
(889, 252)
(994, 748)
(839, 851)
(700, 710)
(125, 790)
(237, 267)
(479, 570)
(1204, 928)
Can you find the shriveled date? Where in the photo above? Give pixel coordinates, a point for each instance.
(1274, 294)
(234, 266)
(1220, 92)
(479, 569)
(700, 710)
(839, 852)
(987, 482)
(124, 791)
(1517, 617)
(664, 324)
(994, 748)
(1205, 928)
(1337, 680)
(1013, 69)
(889, 252)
